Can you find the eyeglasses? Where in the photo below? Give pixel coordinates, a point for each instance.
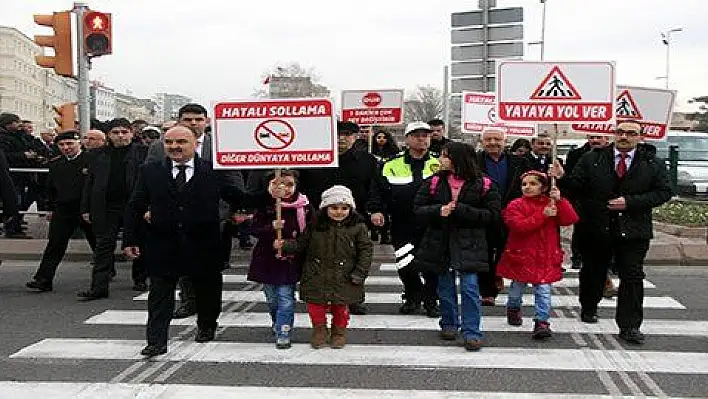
(628, 133)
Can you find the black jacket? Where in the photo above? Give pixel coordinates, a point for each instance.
(516, 166)
(593, 182)
(356, 171)
(7, 189)
(574, 156)
(94, 199)
(437, 145)
(65, 182)
(183, 236)
(14, 145)
(458, 241)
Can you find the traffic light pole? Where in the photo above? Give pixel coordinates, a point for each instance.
(83, 71)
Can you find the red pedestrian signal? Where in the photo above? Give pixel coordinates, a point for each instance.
(97, 33)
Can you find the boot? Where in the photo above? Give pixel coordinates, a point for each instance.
(385, 237)
(410, 307)
(541, 330)
(432, 309)
(339, 337)
(319, 336)
(514, 317)
(610, 291)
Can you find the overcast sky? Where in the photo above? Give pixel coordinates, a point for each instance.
(219, 49)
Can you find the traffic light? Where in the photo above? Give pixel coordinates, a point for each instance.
(97, 33)
(65, 116)
(62, 60)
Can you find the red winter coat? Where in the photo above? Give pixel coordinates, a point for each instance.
(533, 253)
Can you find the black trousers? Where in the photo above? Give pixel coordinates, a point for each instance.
(629, 260)
(575, 241)
(161, 304)
(61, 228)
(103, 256)
(413, 288)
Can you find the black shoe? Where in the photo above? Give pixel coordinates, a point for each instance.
(576, 264)
(632, 336)
(40, 286)
(432, 310)
(357, 309)
(587, 317)
(153, 350)
(91, 295)
(205, 335)
(410, 307)
(20, 235)
(184, 311)
(140, 286)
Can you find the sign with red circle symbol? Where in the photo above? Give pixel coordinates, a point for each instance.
(492, 114)
(274, 134)
(371, 99)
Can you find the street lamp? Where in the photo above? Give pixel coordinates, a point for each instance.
(666, 39)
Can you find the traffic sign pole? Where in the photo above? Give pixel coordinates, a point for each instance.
(83, 71)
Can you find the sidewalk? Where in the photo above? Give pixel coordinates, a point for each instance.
(665, 249)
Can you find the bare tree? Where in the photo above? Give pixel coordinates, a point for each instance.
(291, 80)
(424, 104)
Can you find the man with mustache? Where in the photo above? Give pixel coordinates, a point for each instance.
(194, 116)
(617, 187)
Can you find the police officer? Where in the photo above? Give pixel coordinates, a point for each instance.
(65, 184)
(401, 179)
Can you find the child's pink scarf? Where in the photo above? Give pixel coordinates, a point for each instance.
(300, 205)
(455, 185)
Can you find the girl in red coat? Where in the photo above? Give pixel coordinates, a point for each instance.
(533, 254)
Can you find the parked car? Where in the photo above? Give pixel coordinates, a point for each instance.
(692, 163)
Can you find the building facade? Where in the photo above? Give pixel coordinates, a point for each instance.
(134, 108)
(103, 102)
(168, 105)
(25, 88)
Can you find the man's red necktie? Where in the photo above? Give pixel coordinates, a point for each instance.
(622, 165)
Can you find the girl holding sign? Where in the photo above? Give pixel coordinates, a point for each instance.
(279, 274)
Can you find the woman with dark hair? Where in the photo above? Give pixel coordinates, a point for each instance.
(457, 205)
(521, 147)
(384, 146)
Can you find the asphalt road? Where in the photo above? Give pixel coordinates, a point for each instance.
(55, 347)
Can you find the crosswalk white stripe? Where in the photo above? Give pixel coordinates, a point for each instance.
(391, 267)
(380, 355)
(92, 390)
(395, 281)
(687, 328)
(655, 302)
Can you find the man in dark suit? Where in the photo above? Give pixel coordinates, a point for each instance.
(112, 175)
(195, 117)
(505, 169)
(182, 195)
(617, 186)
(65, 184)
(540, 154)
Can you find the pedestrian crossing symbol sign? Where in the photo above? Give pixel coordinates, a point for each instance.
(626, 106)
(555, 86)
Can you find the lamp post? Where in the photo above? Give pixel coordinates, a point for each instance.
(666, 39)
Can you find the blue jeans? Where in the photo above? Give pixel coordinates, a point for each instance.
(471, 307)
(542, 299)
(281, 302)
